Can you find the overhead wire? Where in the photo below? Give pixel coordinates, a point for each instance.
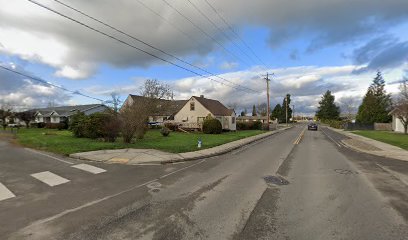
(234, 32)
(128, 44)
(148, 44)
(218, 28)
(204, 32)
(50, 84)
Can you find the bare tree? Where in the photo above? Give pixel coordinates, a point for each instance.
(348, 107)
(134, 117)
(115, 101)
(401, 107)
(26, 116)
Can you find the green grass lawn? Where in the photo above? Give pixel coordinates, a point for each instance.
(396, 139)
(63, 142)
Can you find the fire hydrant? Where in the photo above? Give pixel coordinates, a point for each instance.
(199, 143)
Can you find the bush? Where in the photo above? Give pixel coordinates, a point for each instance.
(58, 126)
(334, 123)
(171, 126)
(249, 125)
(212, 126)
(37, 125)
(77, 124)
(165, 131)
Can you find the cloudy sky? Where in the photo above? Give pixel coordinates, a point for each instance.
(310, 45)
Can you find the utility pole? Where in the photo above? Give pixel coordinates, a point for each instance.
(293, 113)
(267, 98)
(286, 110)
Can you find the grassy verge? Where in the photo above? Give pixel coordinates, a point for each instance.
(396, 139)
(63, 142)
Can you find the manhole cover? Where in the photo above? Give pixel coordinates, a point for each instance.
(345, 171)
(277, 180)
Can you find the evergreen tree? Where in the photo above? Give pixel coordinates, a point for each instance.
(376, 103)
(254, 111)
(327, 109)
(277, 112)
(242, 113)
(283, 113)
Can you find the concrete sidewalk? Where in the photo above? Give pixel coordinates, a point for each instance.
(132, 156)
(372, 146)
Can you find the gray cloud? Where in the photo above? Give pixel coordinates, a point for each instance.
(394, 55)
(80, 51)
(22, 93)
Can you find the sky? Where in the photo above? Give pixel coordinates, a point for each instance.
(219, 49)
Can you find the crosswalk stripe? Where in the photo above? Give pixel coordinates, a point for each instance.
(5, 193)
(89, 168)
(49, 178)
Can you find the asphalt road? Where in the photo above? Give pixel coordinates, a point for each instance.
(327, 191)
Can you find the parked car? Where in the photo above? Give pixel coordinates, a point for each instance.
(312, 126)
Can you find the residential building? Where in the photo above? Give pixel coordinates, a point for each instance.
(165, 109)
(397, 125)
(196, 109)
(63, 113)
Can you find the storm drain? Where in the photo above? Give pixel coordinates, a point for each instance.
(277, 180)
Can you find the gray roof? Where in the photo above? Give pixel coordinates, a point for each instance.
(214, 106)
(65, 110)
(165, 107)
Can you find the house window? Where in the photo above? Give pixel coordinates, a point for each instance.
(233, 120)
(192, 106)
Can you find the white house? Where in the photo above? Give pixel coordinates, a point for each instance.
(196, 109)
(60, 114)
(397, 125)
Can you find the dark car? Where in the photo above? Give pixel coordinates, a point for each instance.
(312, 126)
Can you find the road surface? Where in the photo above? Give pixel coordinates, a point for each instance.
(297, 184)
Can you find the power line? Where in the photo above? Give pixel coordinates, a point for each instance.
(235, 33)
(50, 84)
(147, 44)
(204, 32)
(218, 28)
(128, 44)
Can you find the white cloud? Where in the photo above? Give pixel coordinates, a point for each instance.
(228, 65)
(35, 34)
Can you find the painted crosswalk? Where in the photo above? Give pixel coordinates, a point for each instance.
(5, 193)
(89, 168)
(50, 178)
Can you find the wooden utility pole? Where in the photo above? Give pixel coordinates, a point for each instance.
(286, 109)
(267, 98)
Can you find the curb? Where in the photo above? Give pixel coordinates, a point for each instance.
(226, 150)
(380, 153)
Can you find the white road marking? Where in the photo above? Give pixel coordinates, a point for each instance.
(5, 193)
(50, 178)
(68, 211)
(89, 168)
(55, 158)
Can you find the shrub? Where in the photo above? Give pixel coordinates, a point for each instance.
(171, 126)
(77, 124)
(58, 126)
(212, 126)
(249, 125)
(165, 131)
(37, 125)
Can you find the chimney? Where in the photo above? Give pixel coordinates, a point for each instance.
(201, 96)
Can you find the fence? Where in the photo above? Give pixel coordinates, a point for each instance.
(383, 126)
(358, 126)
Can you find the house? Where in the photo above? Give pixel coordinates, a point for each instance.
(165, 109)
(262, 119)
(63, 113)
(397, 125)
(196, 109)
